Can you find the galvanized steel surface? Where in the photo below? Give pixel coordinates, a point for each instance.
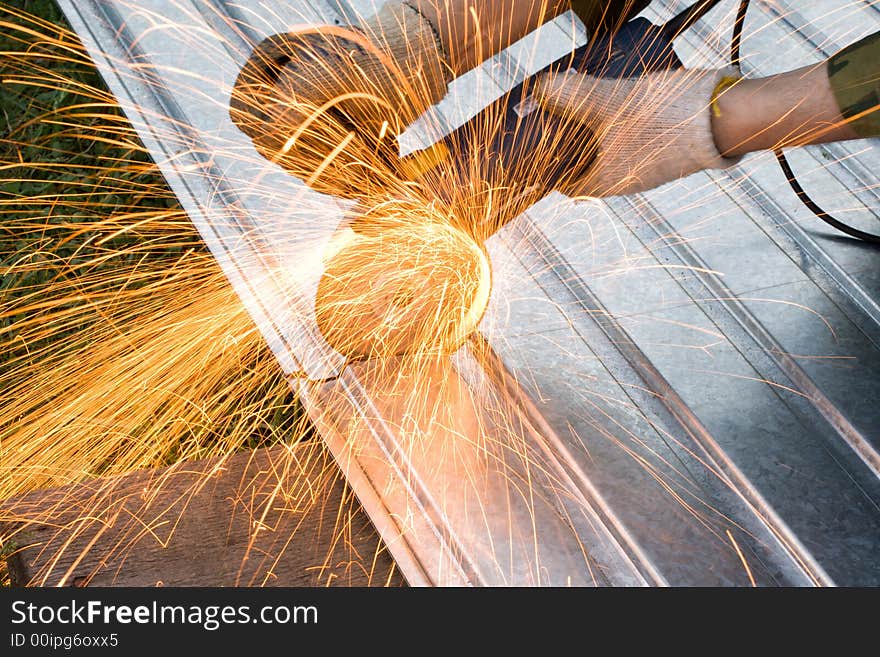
(688, 377)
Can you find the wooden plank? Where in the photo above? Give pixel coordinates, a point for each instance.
(280, 516)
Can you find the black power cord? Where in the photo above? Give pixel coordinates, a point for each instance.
(815, 208)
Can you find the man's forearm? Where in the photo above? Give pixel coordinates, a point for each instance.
(833, 101)
(789, 109)
(471, 31)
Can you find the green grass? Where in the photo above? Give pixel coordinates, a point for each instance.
(76, 149)
(58, 165)
(60, 180)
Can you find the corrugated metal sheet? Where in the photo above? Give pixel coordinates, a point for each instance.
(665, 386)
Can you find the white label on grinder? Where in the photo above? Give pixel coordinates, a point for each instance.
(526, 106)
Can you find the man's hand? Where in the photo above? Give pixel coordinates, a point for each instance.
(650, 130)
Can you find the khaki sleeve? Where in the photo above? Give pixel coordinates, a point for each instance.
(854, 74)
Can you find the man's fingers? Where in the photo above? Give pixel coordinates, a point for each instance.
(558, 91)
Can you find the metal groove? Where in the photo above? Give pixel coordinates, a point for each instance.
(804, 563)
(767, 345)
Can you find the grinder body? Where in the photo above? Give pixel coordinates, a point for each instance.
(395, 287)
(516, 146)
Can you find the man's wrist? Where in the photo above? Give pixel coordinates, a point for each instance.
(724, 105)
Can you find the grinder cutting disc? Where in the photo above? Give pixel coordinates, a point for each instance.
(417, 289)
